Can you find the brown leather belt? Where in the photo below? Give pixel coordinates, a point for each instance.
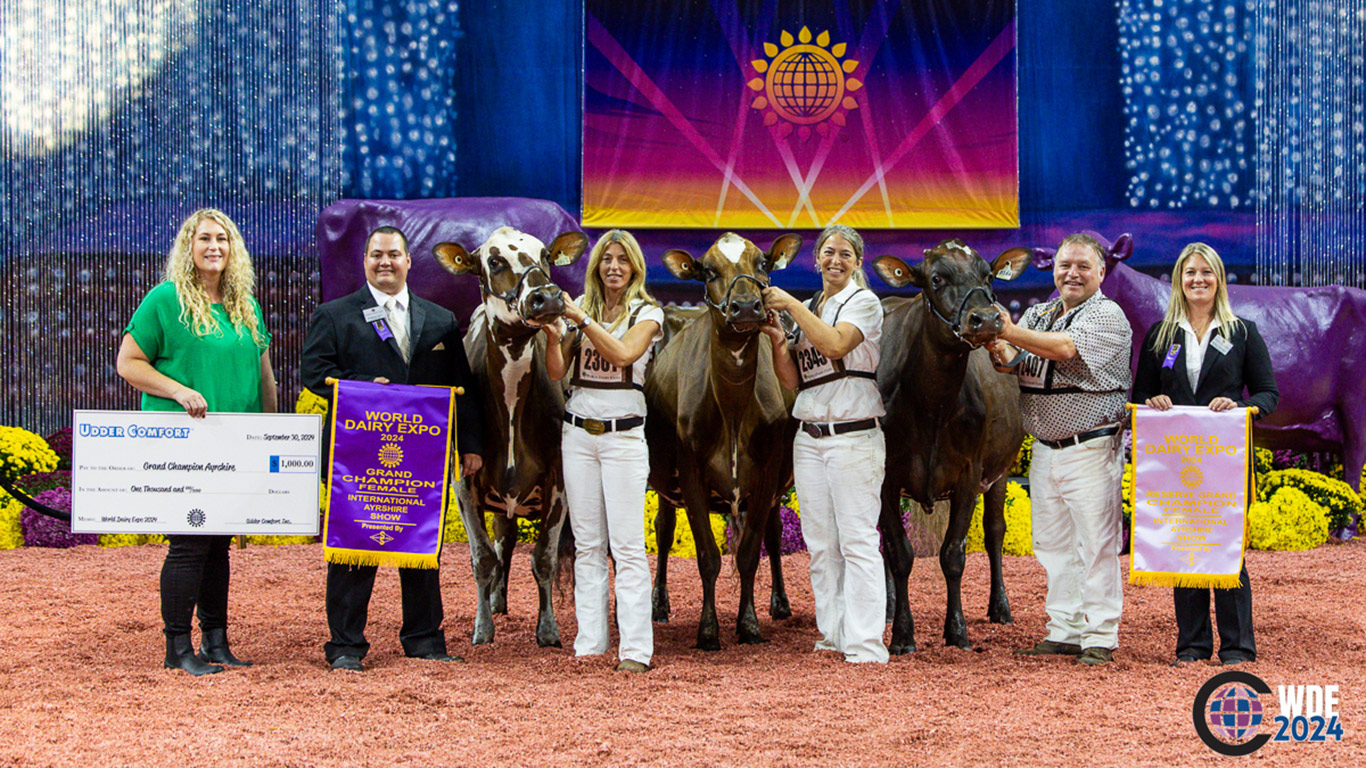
(603, 426)
(1082, 437)
(826, 429)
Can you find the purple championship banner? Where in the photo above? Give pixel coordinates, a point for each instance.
(1190, 496)
(389, 476)
(782, 114)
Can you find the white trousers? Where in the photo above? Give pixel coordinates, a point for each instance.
(839, 486)
(604, 482)
(1076, 509)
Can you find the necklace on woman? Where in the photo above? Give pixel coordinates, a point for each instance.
(1202, 328)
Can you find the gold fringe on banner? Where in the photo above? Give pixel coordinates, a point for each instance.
(1193, 580)
(367, 557)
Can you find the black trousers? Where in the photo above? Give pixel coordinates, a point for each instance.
(1233, 611)
(195, 573)
(348, 607)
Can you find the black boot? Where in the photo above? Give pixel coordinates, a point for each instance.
(180, 655)
(214, 647)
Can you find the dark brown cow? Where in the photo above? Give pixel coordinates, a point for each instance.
(956, 420)
(719, 427)
(521, 476)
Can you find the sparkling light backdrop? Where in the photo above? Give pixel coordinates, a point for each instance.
(120, 117)
(1256, 106)
(1311, 142)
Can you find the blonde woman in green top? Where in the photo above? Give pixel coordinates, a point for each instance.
(198, 342)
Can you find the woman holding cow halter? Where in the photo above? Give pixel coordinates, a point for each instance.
(606, 462)
(839, 454)
(1203, 354)
(198, 343)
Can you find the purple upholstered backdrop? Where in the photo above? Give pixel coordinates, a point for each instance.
(344, 225)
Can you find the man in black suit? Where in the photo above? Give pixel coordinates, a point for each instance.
(420, 344)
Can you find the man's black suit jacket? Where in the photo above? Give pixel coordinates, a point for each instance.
(1246, 365)
(342, 345)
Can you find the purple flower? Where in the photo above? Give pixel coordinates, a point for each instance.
(60, 443)
(43, 531)
(791, 539)
(38, 482)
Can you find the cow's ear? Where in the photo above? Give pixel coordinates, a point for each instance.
(896, 272)
(783, 251)
(682, 265)
(567, 248)
(456, 260)
(1011, 264)
(1123, 248)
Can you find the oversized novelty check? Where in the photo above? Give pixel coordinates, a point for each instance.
(164, 472)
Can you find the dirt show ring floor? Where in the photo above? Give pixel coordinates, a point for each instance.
(81, 681)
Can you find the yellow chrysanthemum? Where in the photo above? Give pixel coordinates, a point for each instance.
(1289, 520)
(1019, 531)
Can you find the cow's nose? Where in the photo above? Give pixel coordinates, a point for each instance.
(549, 299)
(985, 321)
(739, 308)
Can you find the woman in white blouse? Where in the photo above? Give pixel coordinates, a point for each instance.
(1202, 354)
(839, 454)
(606, 462)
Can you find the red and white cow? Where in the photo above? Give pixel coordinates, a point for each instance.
(521, 407)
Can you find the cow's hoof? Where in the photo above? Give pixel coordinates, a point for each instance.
(750, 636)
(1000, 617)
(481, 638)
(901, 649)
(708, 642)
(660, 605)
(958, 642)
(499, 604)
(779, 608)
(549, 642)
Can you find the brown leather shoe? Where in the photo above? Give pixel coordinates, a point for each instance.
(1094, 656)
(628, 665)
(1050, 648)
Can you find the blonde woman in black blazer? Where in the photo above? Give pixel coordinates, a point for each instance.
(1203, 354)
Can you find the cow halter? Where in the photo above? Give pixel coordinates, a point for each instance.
(706, 296)
(509, 296)
(956, 325)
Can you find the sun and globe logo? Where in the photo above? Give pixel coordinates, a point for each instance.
(804, 85)
(390, 455)
(1192, 477)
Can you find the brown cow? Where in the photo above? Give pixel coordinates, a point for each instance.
(956, 419)
(719, 428)
(521, 476)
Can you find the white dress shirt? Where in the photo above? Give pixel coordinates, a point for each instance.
(1196, 350)
(399, 321)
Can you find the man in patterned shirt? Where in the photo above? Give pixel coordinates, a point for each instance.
(1072, 358)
